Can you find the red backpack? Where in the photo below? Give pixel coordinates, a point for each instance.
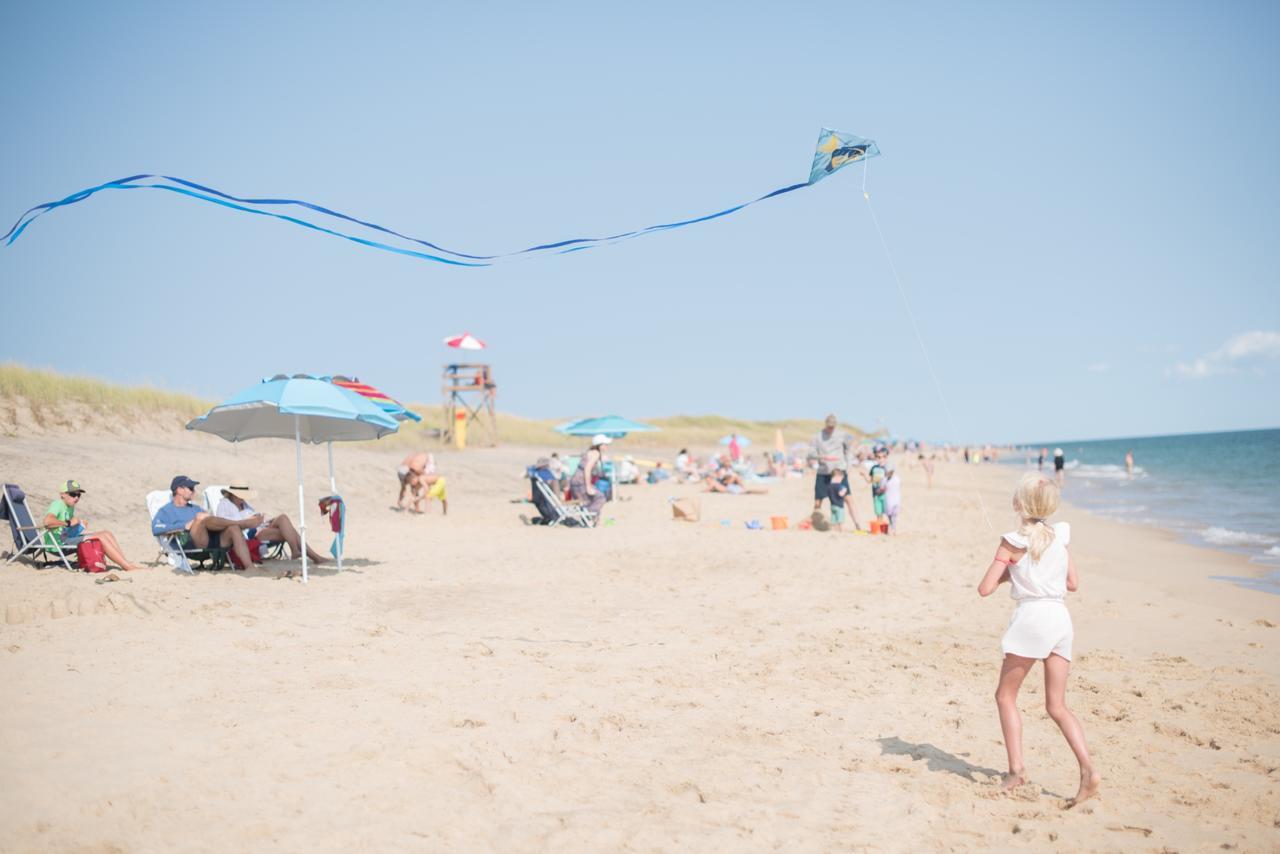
(89, 554)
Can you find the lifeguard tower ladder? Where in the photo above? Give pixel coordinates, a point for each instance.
(469, 393)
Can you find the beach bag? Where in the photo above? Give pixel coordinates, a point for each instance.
(255, 552)
(91, 557)
(686, 509)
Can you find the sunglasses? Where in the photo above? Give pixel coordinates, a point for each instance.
(75, 494)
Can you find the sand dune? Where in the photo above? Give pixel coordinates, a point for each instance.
(473, 684)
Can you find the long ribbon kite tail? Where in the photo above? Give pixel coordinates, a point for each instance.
(834, 151)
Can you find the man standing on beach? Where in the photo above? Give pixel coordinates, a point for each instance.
(829, 450)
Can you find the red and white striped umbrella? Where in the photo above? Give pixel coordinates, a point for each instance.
(465, 341)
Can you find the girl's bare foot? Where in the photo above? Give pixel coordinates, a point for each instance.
(1090, 781)
(1013, 779)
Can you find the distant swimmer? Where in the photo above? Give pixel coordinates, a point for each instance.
(1128, 463)
(1059, 463)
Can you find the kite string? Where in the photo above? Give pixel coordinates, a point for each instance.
(915, 327)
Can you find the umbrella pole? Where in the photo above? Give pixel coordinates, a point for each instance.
(333, 490)
(302, 507)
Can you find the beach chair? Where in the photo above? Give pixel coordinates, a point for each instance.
(267, 549)
(171, 549)
(555, 510)
(28, 537)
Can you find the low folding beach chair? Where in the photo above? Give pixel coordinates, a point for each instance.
(267, 549)
(28, 539)
(556, 510)
(171, 547)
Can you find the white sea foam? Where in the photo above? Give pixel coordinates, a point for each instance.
(1227, 537)
(1274, 551)
(1103, 472)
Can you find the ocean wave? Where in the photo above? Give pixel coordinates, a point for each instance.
(1274, 551)
(1227, 537)
(1103, 472)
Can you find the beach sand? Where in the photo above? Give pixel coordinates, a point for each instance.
(469, 683)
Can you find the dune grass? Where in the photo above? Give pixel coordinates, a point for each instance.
(46, 391)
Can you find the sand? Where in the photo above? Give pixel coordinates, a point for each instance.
(470, 683)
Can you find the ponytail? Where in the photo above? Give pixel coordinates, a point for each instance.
(1039, 536)
(1036, 499)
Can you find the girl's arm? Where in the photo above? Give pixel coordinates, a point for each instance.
(998, 572)
(1073, 580)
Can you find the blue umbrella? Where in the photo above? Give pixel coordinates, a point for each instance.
(613, 426)
(302, 408)
(743, 441)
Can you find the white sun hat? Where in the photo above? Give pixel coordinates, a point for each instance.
(600, 439)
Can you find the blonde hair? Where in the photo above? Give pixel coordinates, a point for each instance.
(1036, 500)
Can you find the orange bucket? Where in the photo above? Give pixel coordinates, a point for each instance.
(778, 523)
(876, 526)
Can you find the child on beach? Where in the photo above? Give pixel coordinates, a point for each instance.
(1035, 560)
(892, 496)
(838, 493)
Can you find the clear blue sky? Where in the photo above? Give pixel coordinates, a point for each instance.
(1082, 200)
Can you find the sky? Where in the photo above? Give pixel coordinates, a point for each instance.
(1081, 202)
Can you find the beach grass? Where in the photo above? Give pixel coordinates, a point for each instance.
(45, 391)
(48, 395)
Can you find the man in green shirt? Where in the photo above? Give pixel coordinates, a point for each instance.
(64, 529)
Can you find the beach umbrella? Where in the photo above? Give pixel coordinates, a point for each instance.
(778, 443)
(384, 401)
(613, 426)
(743, 441)
(303, 408)
(465, 341)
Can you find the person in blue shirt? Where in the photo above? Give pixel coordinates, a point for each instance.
(183, 519)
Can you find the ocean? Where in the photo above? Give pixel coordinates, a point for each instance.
(1220, 490)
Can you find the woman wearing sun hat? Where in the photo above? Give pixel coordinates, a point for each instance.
(64, 528)
(277, 529)
(582, 485)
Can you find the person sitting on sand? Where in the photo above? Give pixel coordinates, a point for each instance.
(65, 529)
(276, 529)
(1035, 560)
(725, 479)
(413, 466)
(185, 519)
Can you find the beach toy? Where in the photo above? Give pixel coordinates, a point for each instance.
(725, 523)
(778, 523)
(754, 525)
(804, 525)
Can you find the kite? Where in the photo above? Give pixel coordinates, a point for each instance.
(835, 150)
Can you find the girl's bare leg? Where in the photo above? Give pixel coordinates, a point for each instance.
(1014, 669)
(1056, 670)
(111, 548)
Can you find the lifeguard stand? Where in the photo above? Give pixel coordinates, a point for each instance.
(469, 393)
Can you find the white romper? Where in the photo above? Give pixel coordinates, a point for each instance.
(1041, 624)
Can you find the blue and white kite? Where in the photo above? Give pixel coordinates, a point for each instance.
(835, 150)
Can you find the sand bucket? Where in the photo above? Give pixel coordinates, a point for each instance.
(875, 526)
(778, 523)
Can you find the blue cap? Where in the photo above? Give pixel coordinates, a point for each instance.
(182, 480)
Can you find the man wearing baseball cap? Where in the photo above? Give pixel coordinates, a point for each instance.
(185, 521)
